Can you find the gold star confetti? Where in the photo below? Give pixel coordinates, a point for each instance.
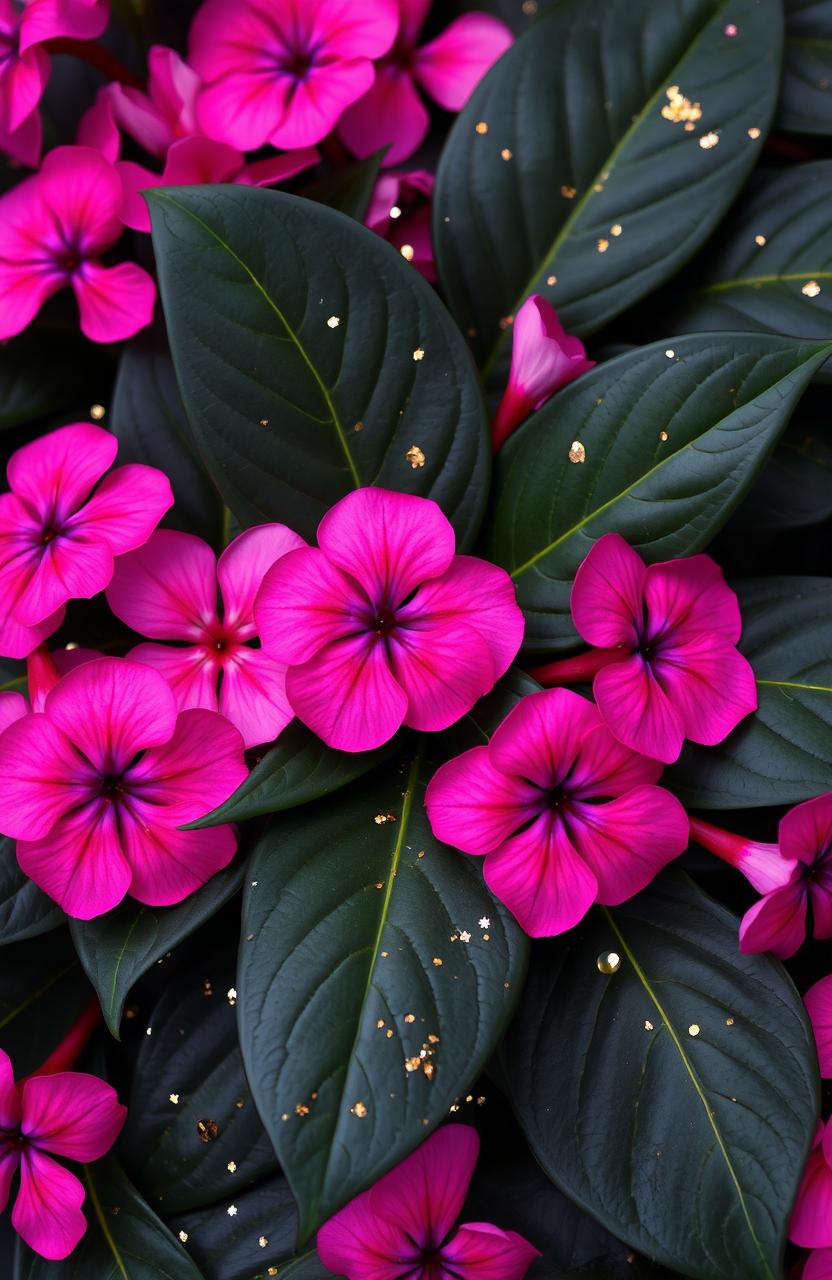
(811, 289)
(97, 412)
(437, 962)
(183, 1236)
(603, 245)
(359, 1109)
(429, 1069)
(263, 1241)
(380, 1023)
(174, 1098)
(648, 1026)
(754, 134)
(419, 353)
(232, 1166)
(381, 818)
(264, 422)
(412, 1064)
(484, 922)
(729, 1022)
(207, 1130)
(410, 1017)
(694, 1029)
(506, 153)
(231, 995)
(481, 127)
(663, 436)
(678, 108)
(568, 192)
(301, 1109)
(408, 252)
(760, 240)
(616, 229)
(333, 322)
(464, 935)
(608, 962)
(240, 1103)
(415, 457)
(232, 1211)
(708, 141)
(577, 452)
(272, 1271)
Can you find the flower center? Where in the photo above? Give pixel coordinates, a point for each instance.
(385, 621)
(112, 786)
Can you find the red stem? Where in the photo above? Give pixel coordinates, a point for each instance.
(95, 55)
(578, 670)
(724, 844)
(67, 1053)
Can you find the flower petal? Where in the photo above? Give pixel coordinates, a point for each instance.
(391, 114)
(18, 641)
(305, 603)
(80, 864)
(473, 806)
(9, 1164)
(244, 564)
(125, 508)
(13, 706)
(40, 775)
(818, 1265)
(114, 302)
(605, 767)
(690, 597)
(9, 1095)
(23, 291)
(811, 1224)
(452, 65)
(709, 684)
(627, 841)
(805, 832)
(480, 1251)
(607, 594)
(167, 588)
(189, 670)
(637, 710)
(49, 19)
(776, 923)
(244, 108)
(541, 878)
(72, 1114)
(197, 769)
(357, 1242)
(56, 473)
(169, 865)
(347, 695)
(82, 190)
(540, 739)
(253, 696)
(444, 668)
(319, 100)
(47, 1212)
(70, 567)
(424, 1195)
(818, 1000)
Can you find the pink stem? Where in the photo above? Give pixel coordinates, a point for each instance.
(579, 670)
(95, 55)
(64, 1057)
(763, 865)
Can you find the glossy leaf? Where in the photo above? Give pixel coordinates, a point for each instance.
(562, 167)
(125, 1240)
(41, 374)
(700, 1060)
(42, 992)
(805, 98)
(672, 442)
(25, 911)
(356, 923)
(117, 948)
(783, 752)
(311, 358)
(231, 1247)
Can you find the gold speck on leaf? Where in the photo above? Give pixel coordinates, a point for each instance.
(608, 962)
(359, 1109)
(415, 457)
(419, 353)
(333, 322)
(709, 140)
(481, 127)
(694, 1029)
(577, 452)
(97, 412)
(207, 1130)
(811, 289)
(678, 108)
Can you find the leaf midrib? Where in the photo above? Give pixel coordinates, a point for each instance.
(740, 282)
(103, 1223)
(700, 1092)
(304, 354)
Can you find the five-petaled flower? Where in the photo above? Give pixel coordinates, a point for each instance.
(69, 1114)
(95, 786)
(57, 539)
(532, 803)
(544, 358)
(404, 1225)
(383, 625)
(168, 590)
(818, 1001)
(811, 1224)
(448, 69)
(282, 71)
(54, 227)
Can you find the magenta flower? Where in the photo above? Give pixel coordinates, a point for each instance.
(58, 539)
(167, 112)
(95, 787)
(531, 804)
(24, 63)
(400, 212)
(402, 1227)
(54, 227)
(818, 1265)
(43, 671)
(448, 69)
(818, 1001)
(168, 590)
(669, 632)
(544, 358)
(282, 71)
(763, 865)
(811, 1225)
(382, 625)
(70, 1114)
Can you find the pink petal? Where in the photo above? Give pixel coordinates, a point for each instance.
(811, 1224)
(169, 865)
(81, 863)
(347, 32)
(125, 508)
(49, 19)
(22, 83)
(688, 597)
(67, 568)
(452, 65)
(173, 90)
(413, 15)
(114, 302)
(167, 588)
(243, 566)
(248, 36)
(305, 603)
(56, 472)
(24, 144)
(776, 923)
(136, 179)
(47, 1212)
(72, 1114)
(820, 896)
(629, 840)
(111, 709)
(709, 684)
(359, 1243)
(539, 875)
(818, 1265)
(18, 641)
(541, 737)
(473, 806)
(278, 168)
(390, 114)
(818, 1000)
(244, 108)
(347, 695)
(444, 667)
(479, 1251)
(389, 542)
(82, 190)
(98, 128)
(9, 1165)
(197, 769)
(253, 696)
(424, 1195)
(478, 593)
(805, 832)
(319, 101)
(13, 706)
(39, 777)
(637, 710)
(607, 594)
(605, 767)
(9, 1096)
(23, 291)
(141, 117)
(191, 672)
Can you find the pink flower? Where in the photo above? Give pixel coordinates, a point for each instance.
(400, 212)
(43, 671)
(403, 1225)
(95, 786)
(818, 1265)
(200, 161)
(282, 71)
(54, 227)
(384, 625)
(24, 63)
(70, 1114)
(531, 803)
(763, 865)
(671, 631)
(168, 590)
(57, 538)
(818, 1000)
(811, 1225)
(448, 70)
(544, 358)
(167, 112)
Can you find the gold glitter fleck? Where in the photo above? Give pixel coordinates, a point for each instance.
(648, 1026)
(419, 353)
(454, 1107)
(484, 922)
(415, 457)
(420, 854)
(389, 1034)
(285, 1116)
(410, 1017)
(760, 240)
(663, 436)
(811, 289)
(232, 1211)
(384, 955)
(729, 1022)
(577, 452)
(464, 936)
(359, 1109)
(481, 127)
(486, 937)
(568, 192)
(174, 1098)
(481, 1101)
(395, 211)
(97, 412)
(551, 280)
(616, 229)
(429, 1070)
(381, 818)
(529, 8)
(412, 1064)
(432, 1039)
(264, 422)
(678, 108)
(689, 127)
(149, 1031)
(207, 1130)
(333, 322)
(694, 1029)
(240, 1103)
(754, 133)
(301, 1109)
(231, 995)
(183, 1236)
(603, 245)
(263, 1241)
(359, 426)
(670, 353)
(379, 884)
(469, 1097)
(709, 140)
(232, 1166)
(380, 1023)
(437, 962)
(608, 962)
(272, 1271)
(506, 153)
(599, 186)
(408, 252)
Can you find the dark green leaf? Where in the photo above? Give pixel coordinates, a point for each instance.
(353, 917)
(192, 1055)
(576, 107)
(116, 949)
(125, 1240)
(42, 992)
(701, 1062)
(805, 98)
(229, 1248)
(672, 443)
(40, 374)
(782, 753)
(299, 768)
(24, 910)
(286, 313)
(350, 189)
